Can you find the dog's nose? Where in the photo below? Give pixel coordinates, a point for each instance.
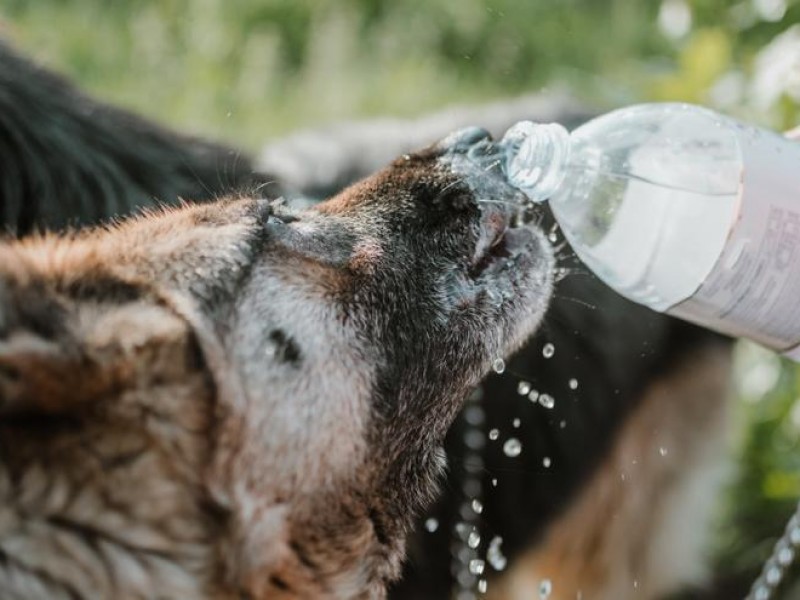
(463, 139)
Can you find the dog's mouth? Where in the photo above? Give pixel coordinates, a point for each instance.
(506, 233)
(508, 271)
(499, 247)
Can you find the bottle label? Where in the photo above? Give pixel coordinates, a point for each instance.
(753, 290)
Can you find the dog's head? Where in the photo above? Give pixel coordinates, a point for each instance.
(340, 341)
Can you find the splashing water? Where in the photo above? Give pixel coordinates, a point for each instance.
(466, 536)
(512, 447)
(482, 586)
(477, 566)
(474, 539)
(547, 401)
(495, 555)
(548, 350)
(499, 365)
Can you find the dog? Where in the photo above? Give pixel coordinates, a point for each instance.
(71, 161)
(632, 448)
(238, 400)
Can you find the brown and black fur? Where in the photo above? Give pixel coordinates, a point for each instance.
(631, 364)
(238, 400)
(69, 160)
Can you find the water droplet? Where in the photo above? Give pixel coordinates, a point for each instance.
(462, 529)
(553, 237)
(546, 462)
(476, 394)
(762, 593)
(474, 415)
(471, 487)
(523, 387)
(499, 365)
(512, 447)
(662, 451)
(477, 506)
(476, 566)
(516, 423)
(466, 580)
(774, 576)
(545, 589)
(562, 424)
(495, 555)
(573, 384)
(432, 525)
(494, 481)
(547, 401)
(482, 585)
(463, 555)
(533, 396)
(794, 536)
(785, 556)
(548, 350)
(474, 540)
(474, 439)
(494, 434)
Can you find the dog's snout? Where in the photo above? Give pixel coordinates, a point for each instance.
(463, 139)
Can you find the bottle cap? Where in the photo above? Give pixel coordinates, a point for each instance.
(536, 158)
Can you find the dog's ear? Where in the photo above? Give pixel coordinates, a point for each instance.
(59, 353)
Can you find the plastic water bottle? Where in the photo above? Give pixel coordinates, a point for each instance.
(678, 208)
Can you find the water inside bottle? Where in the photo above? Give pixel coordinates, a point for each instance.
(653, 244)
(648, 196)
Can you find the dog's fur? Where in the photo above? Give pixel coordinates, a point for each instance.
(630, 363)
(69, 160)
(236, 400)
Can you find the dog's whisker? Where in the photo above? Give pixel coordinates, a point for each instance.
(575, 300)
(446, 188)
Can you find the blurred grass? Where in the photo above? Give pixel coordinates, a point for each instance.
(247, 70)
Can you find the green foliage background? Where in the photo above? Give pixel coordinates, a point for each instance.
(247, 70)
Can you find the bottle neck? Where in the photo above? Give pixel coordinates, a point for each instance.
(536, 157)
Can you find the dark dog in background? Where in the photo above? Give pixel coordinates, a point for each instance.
(239, 400)
(633, 451)
(68, 160)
